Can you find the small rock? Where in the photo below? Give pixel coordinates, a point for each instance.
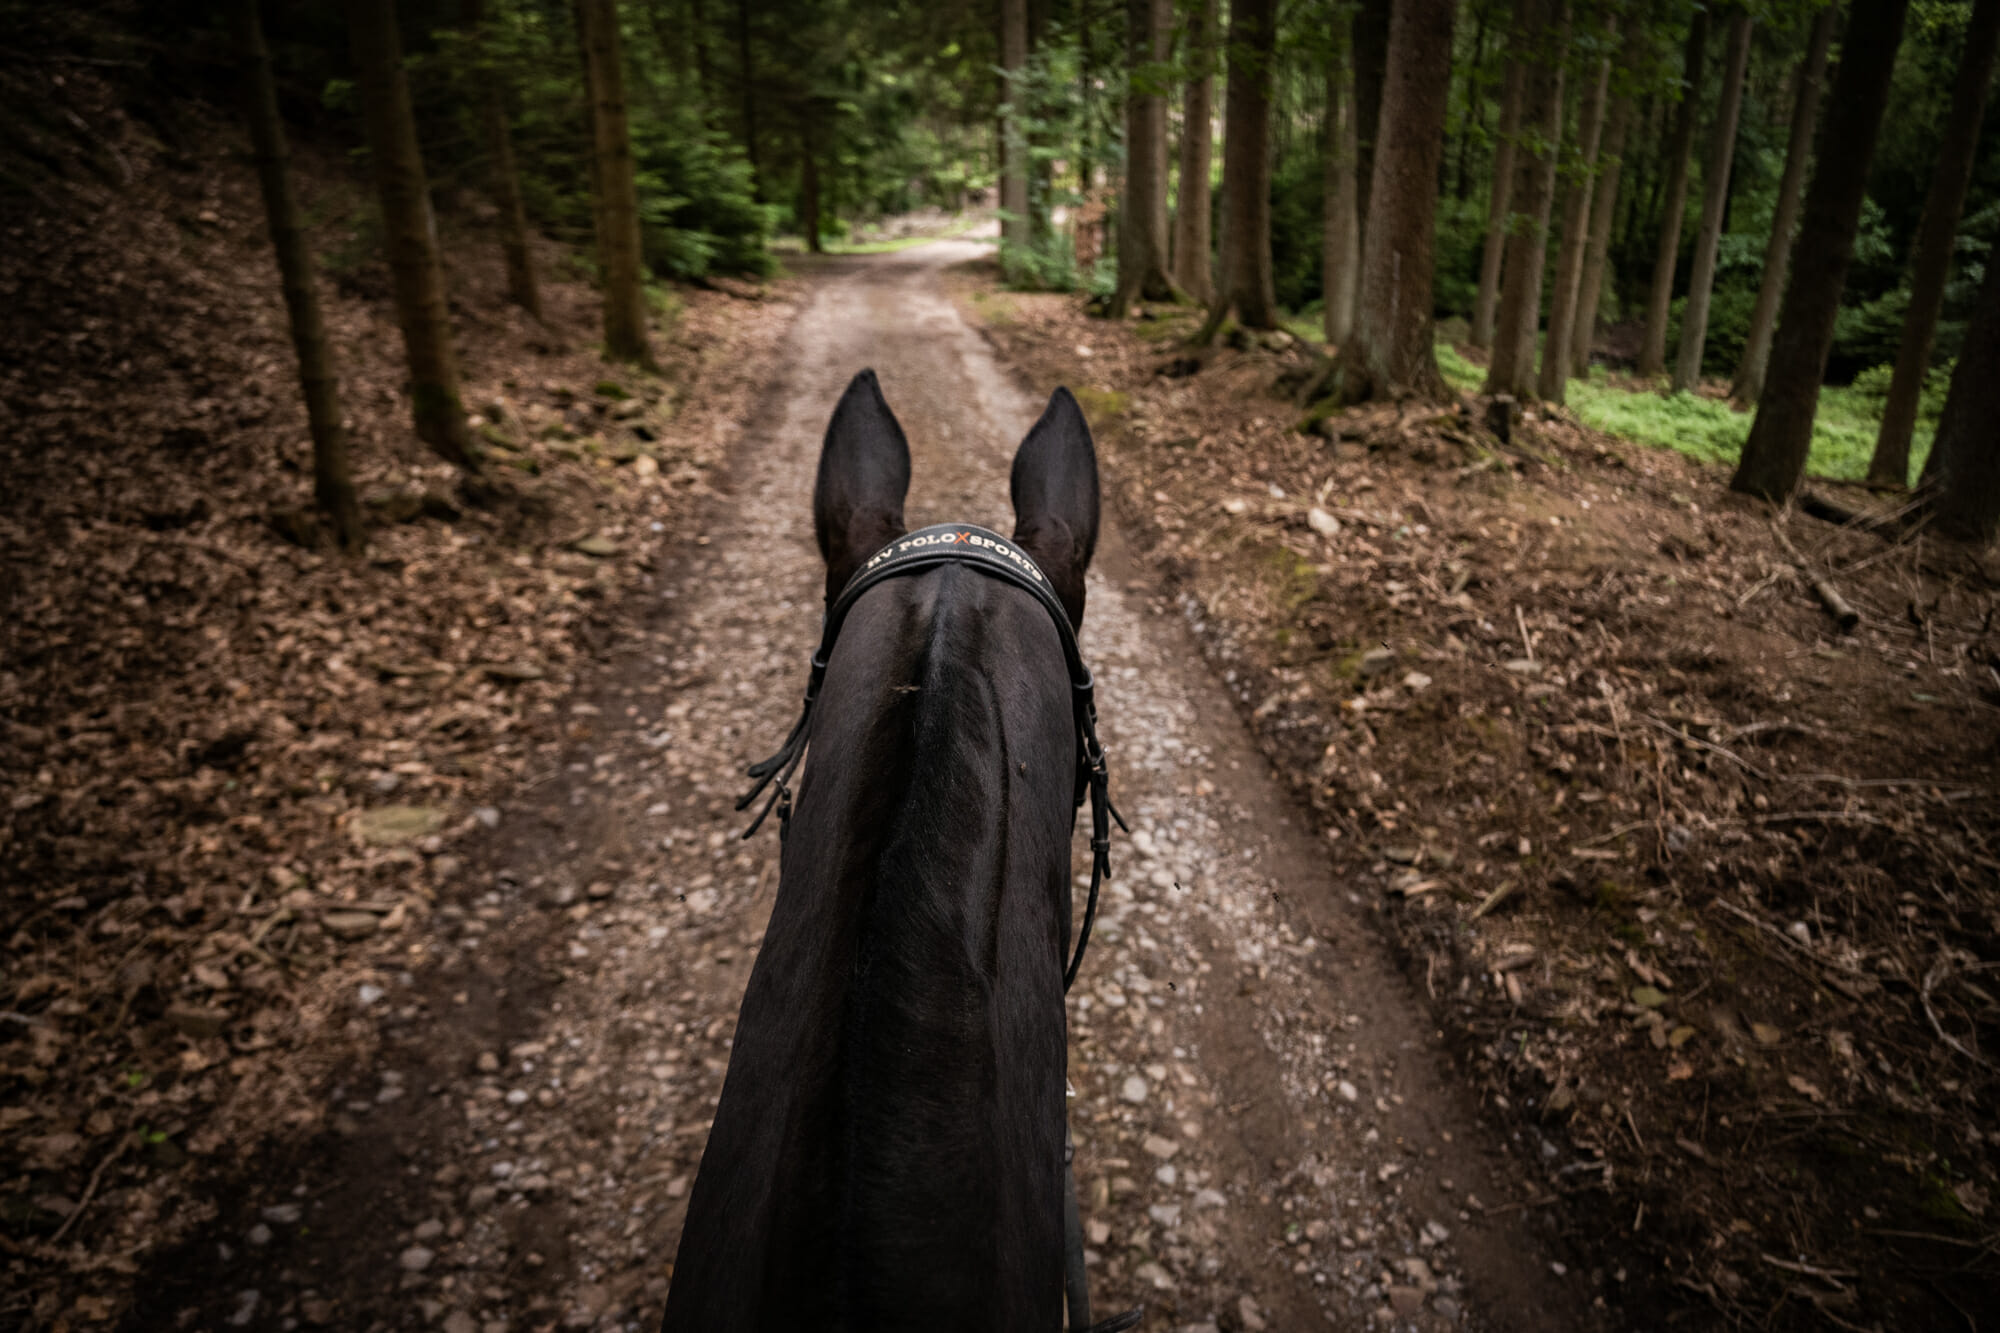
(488, 1063)
(1376, 661)
(1406, 1301)
(1415, 681)
(512, 671)
(1446, 1308)
(429, 1229)
(1133, 1089)
(597, 546)
(368, 993)
(1161, 1147)
(1208, 1198)
(1251, 1317)
(1235, 506)
(1522, 666)
(395, 825)
(1165, 1214)
(1325, 524)
(246, 1308)
(350, 925)
(1348, 1092)
(259, 1235)
(1154, 1275)
(481, 1196)
(458, 1321)
(487, 815)
(284, 1214)
(1800, 931)
(416, 1259)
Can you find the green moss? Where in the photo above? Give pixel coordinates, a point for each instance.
(611, 389)
(1102, 404)
(1295, 581)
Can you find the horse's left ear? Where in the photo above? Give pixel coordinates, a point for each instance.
(864, 473)
(1054, 489)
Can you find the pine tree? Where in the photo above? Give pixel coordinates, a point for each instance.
(1715, 197)
(1749, 382)
(1774, 456)
(1964, 466)
(1544, 38)
(1246, 282)
(1341, 225)
(1487, 302)
(1014, 237)
(1604, 198)
(1568, 286)
(1936, 238)
(1395, 351)
(618, 246)
(1659, 298)
(1193, 261)
(1142, 214)
(503, 178)
(408, 231)
(333, 487)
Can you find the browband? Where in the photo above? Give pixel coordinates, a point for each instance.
(994, 555)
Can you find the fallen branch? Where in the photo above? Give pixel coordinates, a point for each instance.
(1837, 606)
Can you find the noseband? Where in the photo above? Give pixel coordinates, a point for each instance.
(995, 556)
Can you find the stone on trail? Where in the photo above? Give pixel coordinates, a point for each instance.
(1325, 524)
(416, 1259)
(1406, 1301)
(1377, 660)
(350, 925)
(395, 825)
(597, 545)
(1133, 1089)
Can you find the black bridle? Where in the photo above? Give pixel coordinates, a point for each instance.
(993, 555)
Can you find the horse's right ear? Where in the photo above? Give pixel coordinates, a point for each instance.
(1054, 489)
(864, 473)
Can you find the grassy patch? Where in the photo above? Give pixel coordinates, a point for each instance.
(1101, 404)
(1709, 430)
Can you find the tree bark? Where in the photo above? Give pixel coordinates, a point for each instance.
(1014, 229)
(1371, 60)
(1660, 298)
(1935, 241)
(1714, 202)
(1512, 368)
(1564, 294)
(1142, 214)
(1246, 285)
(1505, 139)
(1749, 382)
(1394, 342)
(333, 485)
(1341, 230)
(1474, 115)
(746, 76)
(1604, 204)
(409, 232)
(503, 179)
(1774, 456)
(1965, 461)
(618, 246)
(1193, 263)
(809, 200)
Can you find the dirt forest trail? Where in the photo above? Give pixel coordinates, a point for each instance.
(1268, 1136)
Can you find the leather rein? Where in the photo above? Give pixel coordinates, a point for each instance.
(997, 557)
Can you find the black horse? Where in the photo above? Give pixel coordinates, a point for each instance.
(888, 1151)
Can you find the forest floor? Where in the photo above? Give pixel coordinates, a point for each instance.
(1702, 891)
(374, 928)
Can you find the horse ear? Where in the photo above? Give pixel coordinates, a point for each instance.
(1054, 489)
(864, 473)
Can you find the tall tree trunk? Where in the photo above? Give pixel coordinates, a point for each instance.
(1544, 37)
(1660, 298)
(409, 232)
(1474, 116)
(1965, 461)
(746, 75)
(1246, 285)
(1506, 141)
(1142, 215)
(1774, 456)
(1714, 202)
(1193, 262)
(1811, 75)
(1341, 233)
(1014, 229)
(333, 486)
(1395, 342)
(809, 201)
(504, 179)
(618, 246)
(1577, 191)
(1935, 237)
(1604, 204)
(1371, 58)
